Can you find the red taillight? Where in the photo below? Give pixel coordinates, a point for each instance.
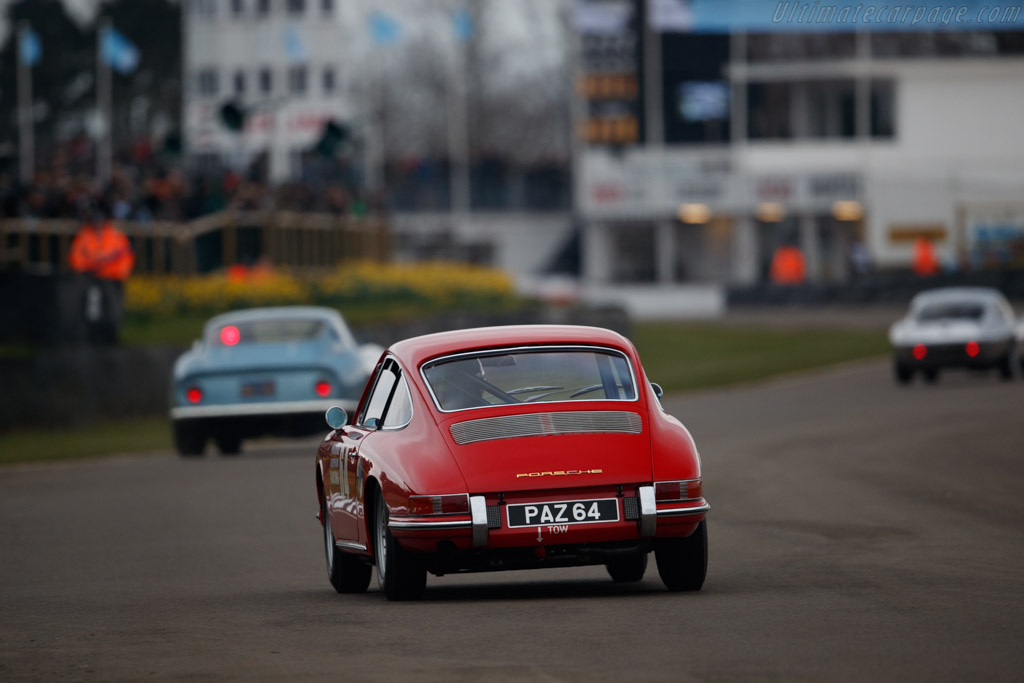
(439, 505)
(230, 335)
(972, 349)
(920, 351)
(323, 389)
(677, 491)
(194, 394)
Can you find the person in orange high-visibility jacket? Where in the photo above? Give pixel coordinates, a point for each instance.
(925, 261)
(788, 266)
(104, 252)
(105, 258)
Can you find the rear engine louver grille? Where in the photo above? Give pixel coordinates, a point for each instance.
(547, 424)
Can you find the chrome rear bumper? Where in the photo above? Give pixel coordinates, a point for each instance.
(261, 408)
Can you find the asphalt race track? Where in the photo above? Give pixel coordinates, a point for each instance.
(858, 531)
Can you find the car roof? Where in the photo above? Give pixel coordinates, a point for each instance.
(415, 351)
(955, 294)
(277, 312)
(282, 313)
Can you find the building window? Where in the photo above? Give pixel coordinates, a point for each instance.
(817, 109)
(297, 80)
(262, 7)
(296, 6)
(768, 111)
(266, 81)
(633, 246)
(205, 8)
(237, 7)
(239, 82)
(825, 109)
(328, 80)
(800, 47)
(883, 109)
(206, 81)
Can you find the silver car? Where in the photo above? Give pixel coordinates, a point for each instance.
(968, 327)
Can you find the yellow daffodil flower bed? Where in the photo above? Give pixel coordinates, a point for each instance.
(357, 288)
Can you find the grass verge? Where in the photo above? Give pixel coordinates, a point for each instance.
(689, 356)
(182, 330)
(679, 356)
(121, 436)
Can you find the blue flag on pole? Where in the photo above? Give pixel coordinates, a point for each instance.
(384, 30)
(29, 48)
(462, 24)
(294, 47)
(119, 52)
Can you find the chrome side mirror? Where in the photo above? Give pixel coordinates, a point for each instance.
(336, 417)
(658, 391)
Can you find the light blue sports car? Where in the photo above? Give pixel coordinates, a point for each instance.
(266, 371)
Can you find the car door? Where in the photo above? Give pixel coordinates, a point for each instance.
(349, 512)
(345, 501)
(396, 414)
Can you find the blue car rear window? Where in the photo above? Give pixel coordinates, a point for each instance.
(268, 331)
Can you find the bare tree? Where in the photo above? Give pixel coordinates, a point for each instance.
(515, 76)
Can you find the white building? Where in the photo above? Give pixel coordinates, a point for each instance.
(295, 64)
(824, 140)
(280, 61)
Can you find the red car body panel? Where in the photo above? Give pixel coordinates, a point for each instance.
(355, 463)
(520, 464)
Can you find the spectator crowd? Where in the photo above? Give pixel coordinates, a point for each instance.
(146, 186)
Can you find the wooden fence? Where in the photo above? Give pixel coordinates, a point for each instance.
(280, 238)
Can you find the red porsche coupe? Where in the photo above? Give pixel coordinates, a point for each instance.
(509, 448)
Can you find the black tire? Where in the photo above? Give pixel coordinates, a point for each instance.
(931, 375)
(683, 562)
(628, 569)
(188, 441)
(347, 574)
(1006, 366)
(400, 574)
(228, 444)
(902, 372)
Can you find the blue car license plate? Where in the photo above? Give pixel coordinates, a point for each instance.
(258, 389)
(563, 512)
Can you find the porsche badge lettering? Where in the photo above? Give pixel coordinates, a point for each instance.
(558, 473)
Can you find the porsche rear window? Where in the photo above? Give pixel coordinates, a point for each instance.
(540, 375)
(951, 311)
(268, 331)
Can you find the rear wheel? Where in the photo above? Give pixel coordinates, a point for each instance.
(1006, 366)
(931, 375)
(188, 440)
(902, 372)
(399, 573)
(228, 444)
(683, 562)
(627, 569)
(347, 574)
